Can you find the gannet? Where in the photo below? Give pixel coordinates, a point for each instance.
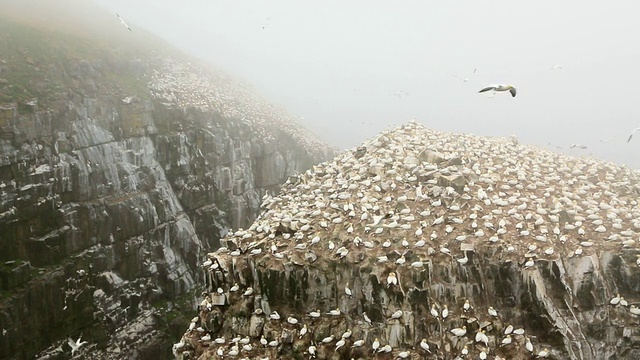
(500, 87)
(492, 311)
(366, 318)
(506, 340)
(397, 314)
(463, 260)
(445, 312)
(459, 331)
(357, 343)
(508, 330)
(392, 279)
(623, 302)
(328, 339)
(404, 354)
(434, 312)
(375, 345)
(312, 350)
(315, 314)
(234, 351)
(528, 345)
(335, 312)
(123, 23)
(347, 290)
(303, 331)
(346, 334)
(75, 345)
(633, 132)
(274, 315)
(543, 353)
(466, 306)
(615, 300)
(385, 349)
(291, 320)
(464, 79)
(634, 310)
(424, 345)
(340, 344)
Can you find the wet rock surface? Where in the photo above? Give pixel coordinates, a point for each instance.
(110, 196)
(420, 244)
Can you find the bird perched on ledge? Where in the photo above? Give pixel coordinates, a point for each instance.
(500, 87)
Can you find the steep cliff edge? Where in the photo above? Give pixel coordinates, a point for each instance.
(115, 181)
(421, 244)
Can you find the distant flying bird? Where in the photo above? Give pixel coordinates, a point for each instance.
(399, 93)
(633, 132)
(464, 79)
(557, 67)
(123, 23)
(500, 87)
(579, 146)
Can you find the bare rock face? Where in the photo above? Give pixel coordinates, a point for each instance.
(110, 195)
(500, 251)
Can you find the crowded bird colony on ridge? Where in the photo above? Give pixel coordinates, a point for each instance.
(412, 197)
(188, 86)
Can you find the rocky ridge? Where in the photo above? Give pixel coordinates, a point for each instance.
(422, 244)
(109, 196)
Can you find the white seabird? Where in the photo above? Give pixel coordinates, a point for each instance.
(459, 331)
(500, 87)
(633, 132)
(424, 345)
(123, 23)
(464, 79)
(75, 345)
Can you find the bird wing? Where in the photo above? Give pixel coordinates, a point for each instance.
(71, 343)
(633, 132)
(488, 88)
(123, 23)
(513, 92)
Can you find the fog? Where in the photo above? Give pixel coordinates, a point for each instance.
(352, 68)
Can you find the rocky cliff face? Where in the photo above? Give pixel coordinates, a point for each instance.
(114, 184)
(421, 244)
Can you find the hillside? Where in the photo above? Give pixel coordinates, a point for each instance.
(114, 182)
(422, 244)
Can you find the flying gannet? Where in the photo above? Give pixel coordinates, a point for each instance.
(75, 345)
(464, 79)
(123, 23)
(500, 87)
(633, 132)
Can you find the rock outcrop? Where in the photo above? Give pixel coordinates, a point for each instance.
(114, 184)
(420, 244)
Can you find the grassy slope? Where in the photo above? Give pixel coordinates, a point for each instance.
(40, 39)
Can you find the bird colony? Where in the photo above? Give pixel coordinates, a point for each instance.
(184, 85)
(422, 244)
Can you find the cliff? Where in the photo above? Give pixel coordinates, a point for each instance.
(122, 162)
(428, 245)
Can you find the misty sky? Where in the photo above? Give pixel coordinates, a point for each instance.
(339, 63)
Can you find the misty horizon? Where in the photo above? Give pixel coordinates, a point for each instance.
(351, 70)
